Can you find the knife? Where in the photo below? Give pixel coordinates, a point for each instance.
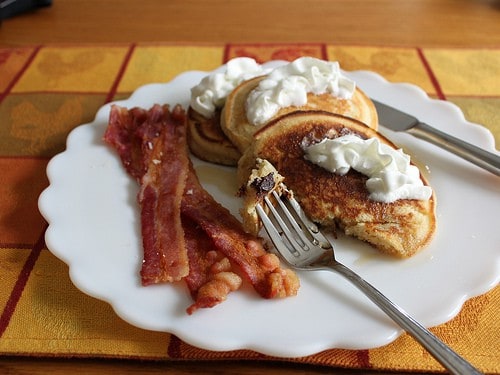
(397, 120)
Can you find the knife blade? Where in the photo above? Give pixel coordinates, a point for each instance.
(397, 120)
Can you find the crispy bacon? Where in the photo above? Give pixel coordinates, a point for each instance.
(211, 277)
(132, 132)
(160, 195)
(186, 233)
(152, 146)
(260, 267)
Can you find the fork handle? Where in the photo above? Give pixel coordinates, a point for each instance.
(443, 353)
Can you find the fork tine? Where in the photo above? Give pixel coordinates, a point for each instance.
(287, 253)
(292, 233)
(305, 223)
(299, 234)
(299, 220)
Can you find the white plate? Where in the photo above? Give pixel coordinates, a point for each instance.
(91, 208)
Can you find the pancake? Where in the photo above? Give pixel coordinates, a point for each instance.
(207, 141)
(235, 125)
(400, 228)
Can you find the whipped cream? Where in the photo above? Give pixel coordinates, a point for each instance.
(390, 174)
(212, 91)
(289, 85)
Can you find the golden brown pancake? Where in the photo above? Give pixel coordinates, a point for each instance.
(207, 141)
(400, 228)
(235, 125)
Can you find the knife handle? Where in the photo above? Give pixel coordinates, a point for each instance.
(465, 150)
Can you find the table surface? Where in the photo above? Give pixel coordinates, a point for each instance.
(424, 23)
(385, 22)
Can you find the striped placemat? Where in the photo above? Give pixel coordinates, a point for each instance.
(46, 91)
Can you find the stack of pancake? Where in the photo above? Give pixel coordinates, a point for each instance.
(276, 148)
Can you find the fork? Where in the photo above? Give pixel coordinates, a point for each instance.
(300, 243)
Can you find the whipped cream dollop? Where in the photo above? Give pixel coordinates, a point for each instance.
(390, 174)
(212, 91)
(289, 85)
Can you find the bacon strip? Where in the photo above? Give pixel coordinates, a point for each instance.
(162, 187)
(152, 146)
